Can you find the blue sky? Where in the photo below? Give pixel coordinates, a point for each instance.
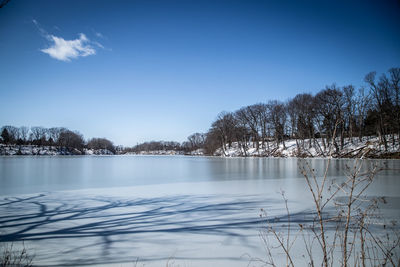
(135, 71)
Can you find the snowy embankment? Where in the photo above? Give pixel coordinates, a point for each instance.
(352, 148)
(10, 150)
(369, 146)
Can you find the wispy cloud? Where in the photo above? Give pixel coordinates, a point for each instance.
(98, 44)
(65, 50)
(99, 34)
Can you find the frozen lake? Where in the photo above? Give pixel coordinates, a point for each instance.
(187, 211)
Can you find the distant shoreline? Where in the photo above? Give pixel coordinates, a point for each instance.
(371, 152)
(36, 150)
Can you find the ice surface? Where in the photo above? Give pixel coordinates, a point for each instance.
(189, 224)
(194, 223)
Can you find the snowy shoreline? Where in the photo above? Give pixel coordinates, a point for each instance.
(367, 147)
(34, 150)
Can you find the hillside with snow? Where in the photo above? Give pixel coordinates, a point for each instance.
(369, 147)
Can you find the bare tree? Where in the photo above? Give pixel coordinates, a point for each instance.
(39, 135)
(394, 80)
(225, 126)
(278, 119)
(349, 109)
(71, 139)
(264, 119)
(24, 133)
(212, 142)
(101, 143)
(301, 115)
(381, 95)
(329, 104)
(250, 117)
(54, 133)
(196, 141)
(362, 103)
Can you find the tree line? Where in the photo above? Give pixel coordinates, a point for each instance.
(55, 136)
(154, 146)
(343, 112)
(195, 141)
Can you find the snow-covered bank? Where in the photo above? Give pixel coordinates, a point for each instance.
(369, 147)
(11, 150)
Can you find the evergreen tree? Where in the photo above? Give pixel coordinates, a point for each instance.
(5, 136)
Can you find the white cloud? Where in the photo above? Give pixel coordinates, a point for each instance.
(66, 50)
